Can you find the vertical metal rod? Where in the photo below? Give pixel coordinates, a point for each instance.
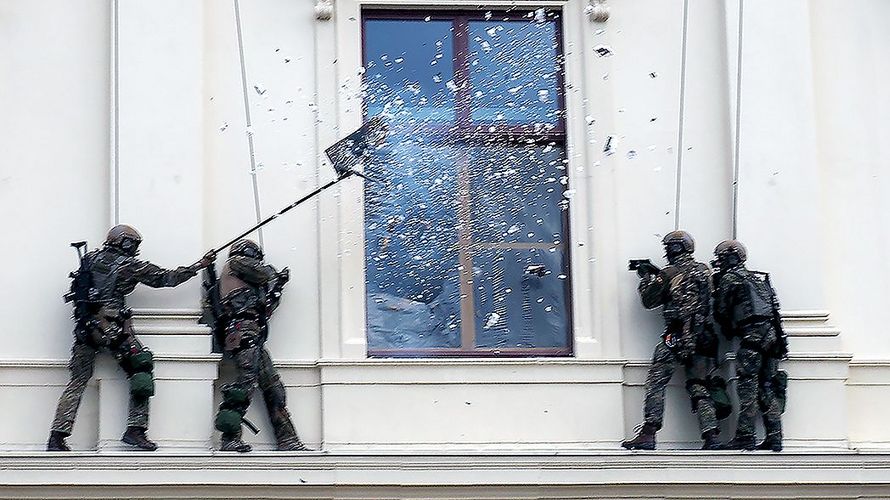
(738, 124)
(253, 172)
(682, 114)
(115, 117)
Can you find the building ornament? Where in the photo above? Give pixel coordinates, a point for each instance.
(324, 10)
(597, 11)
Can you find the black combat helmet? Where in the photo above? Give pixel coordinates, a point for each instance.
(682, 238)
(727, 248)
(125, 238)
(246, 248)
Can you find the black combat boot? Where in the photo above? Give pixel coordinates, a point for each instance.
(711, 442)
(136, 436)
(57, 441)
(233, 442)
(745, 443)
(645, 440)
(773, 442)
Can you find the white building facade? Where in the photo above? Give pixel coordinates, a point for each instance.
(762, 119)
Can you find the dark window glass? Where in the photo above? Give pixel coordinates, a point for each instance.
(514, 72)
(466, 229)
(410, 79)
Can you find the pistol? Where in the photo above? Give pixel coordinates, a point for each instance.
(642, 266)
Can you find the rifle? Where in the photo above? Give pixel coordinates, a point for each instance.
(212, 307)
(83, 295)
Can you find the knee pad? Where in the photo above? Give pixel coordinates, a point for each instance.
(720, 397)
(234, 398)
(142, 361)
(228, 421)
(142, 385)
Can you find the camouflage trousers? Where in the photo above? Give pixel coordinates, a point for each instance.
(83, 360)
(664, 362)
(756, 370)
(255, 369)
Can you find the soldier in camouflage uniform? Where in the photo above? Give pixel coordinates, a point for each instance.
(745, 307)
(683, 289)
(114, 273)
(250, 290)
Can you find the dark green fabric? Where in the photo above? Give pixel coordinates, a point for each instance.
(142, 385)
(722, 403)
(142, 361)
(235, 397)
(228, 421)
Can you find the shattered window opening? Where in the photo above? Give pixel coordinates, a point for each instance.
(466, 234)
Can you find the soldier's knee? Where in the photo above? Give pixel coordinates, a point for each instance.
(747, 365)
(140, 367)
(697, 390)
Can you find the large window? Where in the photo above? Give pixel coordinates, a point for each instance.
(466, 232)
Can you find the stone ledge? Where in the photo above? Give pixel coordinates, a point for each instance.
(673, 474)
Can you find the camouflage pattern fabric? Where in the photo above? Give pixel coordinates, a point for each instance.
(83, 360)
(683, 289)
(114, 275)
(664, 362)
(255, 369)
(247, 286)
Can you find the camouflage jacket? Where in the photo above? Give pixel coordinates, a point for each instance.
(683, 289)
(115, 275)
(249, 284)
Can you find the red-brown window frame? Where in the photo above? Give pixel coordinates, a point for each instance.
(485, 133)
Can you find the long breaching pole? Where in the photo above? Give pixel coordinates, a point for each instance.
(285, 209)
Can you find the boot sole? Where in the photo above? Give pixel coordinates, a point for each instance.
(134, 443)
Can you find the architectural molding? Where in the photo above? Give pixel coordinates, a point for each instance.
(324, 10)
(597, 11)
(618, 474)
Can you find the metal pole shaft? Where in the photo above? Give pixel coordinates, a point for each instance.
(282, 211)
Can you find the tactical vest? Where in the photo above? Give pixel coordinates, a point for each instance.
(238, 298)
(758, 297)
(676, 280)
(105, 269)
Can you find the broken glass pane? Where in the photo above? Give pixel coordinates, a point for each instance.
(514, 71)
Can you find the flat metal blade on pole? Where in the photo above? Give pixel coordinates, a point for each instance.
(346, 154)
(352, 151)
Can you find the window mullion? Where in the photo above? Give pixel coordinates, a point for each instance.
(462, 96)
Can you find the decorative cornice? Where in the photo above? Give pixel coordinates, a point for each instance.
(597, 11)
(324, 10)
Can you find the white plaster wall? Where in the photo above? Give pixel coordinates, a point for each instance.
(646, 38)
(54, 93)
(850, 67)
(780, 187)
(283, 121)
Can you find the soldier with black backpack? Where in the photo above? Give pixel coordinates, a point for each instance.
(103, 322)
(745, 306)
